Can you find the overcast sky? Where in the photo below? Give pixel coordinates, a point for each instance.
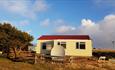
(40, 17)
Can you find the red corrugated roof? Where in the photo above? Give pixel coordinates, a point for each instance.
(53, 37)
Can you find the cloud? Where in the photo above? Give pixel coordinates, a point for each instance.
(109, 17)
(40, 5)
(58, 25)
(87, 22)
(59, 22)
(65, 29)
(45, 22)
(101, 32)
(23, 7)
(23, 23)
(105, 3)
(49, 22)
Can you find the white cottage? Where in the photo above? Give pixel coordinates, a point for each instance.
(60, 45)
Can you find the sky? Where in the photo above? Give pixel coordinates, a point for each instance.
(95, 18)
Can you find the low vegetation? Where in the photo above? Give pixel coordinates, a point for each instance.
(6, 64)
(104, 52)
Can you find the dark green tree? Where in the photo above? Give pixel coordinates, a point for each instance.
(12, 39)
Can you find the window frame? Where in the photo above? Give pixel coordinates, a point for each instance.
(63, 44)
(81, 45)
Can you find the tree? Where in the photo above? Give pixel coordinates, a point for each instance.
(13, 39)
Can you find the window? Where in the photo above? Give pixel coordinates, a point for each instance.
(62, 44)
(58, 43)
(43, 45)
(77, 45)
(80, 45)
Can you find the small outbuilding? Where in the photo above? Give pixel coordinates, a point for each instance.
(64, 45)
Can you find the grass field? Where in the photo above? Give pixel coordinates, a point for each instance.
(6, 64)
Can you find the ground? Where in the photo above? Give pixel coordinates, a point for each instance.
(6, 64)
